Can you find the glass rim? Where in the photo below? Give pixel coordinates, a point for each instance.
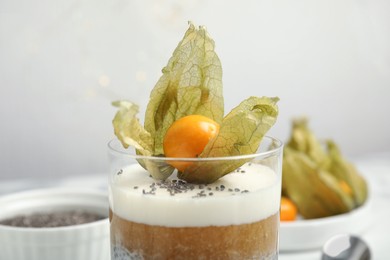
(131, 153)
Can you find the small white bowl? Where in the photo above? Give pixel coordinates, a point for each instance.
(78, 242)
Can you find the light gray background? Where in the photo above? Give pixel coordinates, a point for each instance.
(63, 62)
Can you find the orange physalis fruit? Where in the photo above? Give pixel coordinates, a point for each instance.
(288, 210)
(187, 137)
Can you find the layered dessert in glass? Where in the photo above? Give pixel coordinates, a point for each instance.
(235, 217)
(192, 182)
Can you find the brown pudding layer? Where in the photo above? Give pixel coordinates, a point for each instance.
(258, 240)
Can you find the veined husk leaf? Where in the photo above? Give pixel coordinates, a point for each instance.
(191, 84)
(319, 170)
(345, 171)
(240, 133)
(303, 140)
(130, 132)
(315, 191)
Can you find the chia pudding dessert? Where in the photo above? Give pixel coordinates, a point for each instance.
(235, 217)
(192, 182)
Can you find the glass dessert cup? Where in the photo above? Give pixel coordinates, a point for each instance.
(235, 217)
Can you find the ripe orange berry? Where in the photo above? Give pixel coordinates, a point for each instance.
(288, 210)
(187, 137)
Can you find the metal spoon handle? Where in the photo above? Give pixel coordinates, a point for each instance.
(345, 247)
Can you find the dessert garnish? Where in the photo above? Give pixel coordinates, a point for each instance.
(315, 169)
(191, 85)
(187, 137)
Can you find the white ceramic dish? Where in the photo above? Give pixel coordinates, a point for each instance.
(311, 234)
(79, 242)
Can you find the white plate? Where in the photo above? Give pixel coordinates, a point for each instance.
(311, 234)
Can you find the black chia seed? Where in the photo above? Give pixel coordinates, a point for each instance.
(177, 186)
(171, 186)
(52, 219)
(120, 172)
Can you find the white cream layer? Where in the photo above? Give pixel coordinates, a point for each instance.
(260, 199)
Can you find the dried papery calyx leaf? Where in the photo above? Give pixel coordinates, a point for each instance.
(130, 132)
(346, 172)
(315, 191)
(240, 133)
(191, 84)
(303, 140)
(159, 169)
(317, 177)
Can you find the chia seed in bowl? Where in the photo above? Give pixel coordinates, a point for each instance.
(52, 219)
(55, 223)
